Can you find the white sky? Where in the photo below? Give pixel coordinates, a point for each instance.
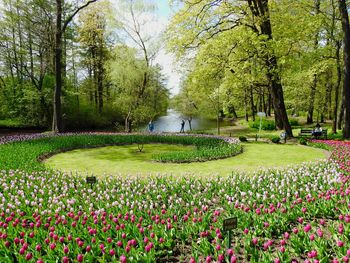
(154, 25)
(166, 60)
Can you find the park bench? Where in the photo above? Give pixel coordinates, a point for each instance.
(308, 132)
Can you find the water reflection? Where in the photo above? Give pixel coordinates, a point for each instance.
(172, 123)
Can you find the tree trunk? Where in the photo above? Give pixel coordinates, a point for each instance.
(252, 108)
(328, 96)
(233, 111)
(310, 112)
(336, 102)
(64, 58)
(341, 115)
(100, 79)
(264, 102)
(190, 123)
(260, 9)
(277, 115)
(346, 82)
(57, 118)
(269, 105)
(128, 122)
(313, 87)
(260, 100)
(60, 29)
(246, 105)
(91, 97)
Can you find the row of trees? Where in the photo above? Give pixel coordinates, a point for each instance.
(279, 56)
(73, 64)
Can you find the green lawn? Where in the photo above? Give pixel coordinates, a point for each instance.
(241, 128)
(128, 160)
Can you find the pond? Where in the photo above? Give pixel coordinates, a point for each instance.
(172, 123)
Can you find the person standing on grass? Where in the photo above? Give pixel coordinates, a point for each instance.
(150, 126)
(182, 126)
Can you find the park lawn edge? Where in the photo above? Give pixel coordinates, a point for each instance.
(28, 153)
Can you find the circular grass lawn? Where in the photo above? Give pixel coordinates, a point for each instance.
(128, 160)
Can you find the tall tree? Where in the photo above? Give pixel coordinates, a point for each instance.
(134, 25)
(313, 86)
(199, 21)
(93, 36)
(346, 82)
(61, 27)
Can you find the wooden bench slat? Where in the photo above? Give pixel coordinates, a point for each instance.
(309, 131)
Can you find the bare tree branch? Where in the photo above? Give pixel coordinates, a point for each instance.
(69, 19)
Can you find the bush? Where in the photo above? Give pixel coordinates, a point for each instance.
(243, 138)
(267, 125)
(87, 117)
(276, 139)
(303, 141)
(335, 136)
(293, 122)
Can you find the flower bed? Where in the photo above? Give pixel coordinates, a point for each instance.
(299, 214)
(23, 152)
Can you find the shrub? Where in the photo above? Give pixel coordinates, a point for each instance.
(335, 136)
(293, 122)
(243, 138)
(303, 141)
(267, 125)
(276, 139)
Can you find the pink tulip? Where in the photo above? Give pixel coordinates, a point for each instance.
(340, 243)
(307, 228)
(29, 256)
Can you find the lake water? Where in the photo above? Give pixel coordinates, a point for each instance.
(168, 123)
(172, 123)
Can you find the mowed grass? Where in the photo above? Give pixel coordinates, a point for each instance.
(128, 160)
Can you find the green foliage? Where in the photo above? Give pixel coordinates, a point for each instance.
(230, 63)
(127, 160)
(267, 125)
(335, 136)
(293, 122)
(128, 75)
(86, 116)
(243, 138)
(303, 141)
(202, 154)
(276, 139)
(320, 145)
(200, 132)
(25, 155)
(11, 123)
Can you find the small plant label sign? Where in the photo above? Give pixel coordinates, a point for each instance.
(230, 223)
(91, 180)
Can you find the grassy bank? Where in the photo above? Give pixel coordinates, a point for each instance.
(25, 154)
(128, 160)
